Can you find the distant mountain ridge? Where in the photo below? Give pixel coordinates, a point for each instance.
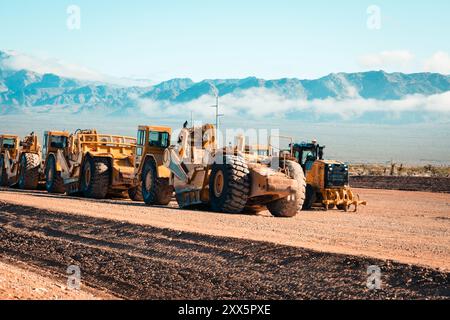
(24, 88)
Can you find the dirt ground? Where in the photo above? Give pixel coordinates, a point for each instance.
(409, 227)
(19, 281)
(132, 251)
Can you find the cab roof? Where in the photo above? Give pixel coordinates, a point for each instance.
(58, 133)
(305, 145)
(8, 136)
(156, 128)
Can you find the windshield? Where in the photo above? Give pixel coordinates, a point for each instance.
(308, 155)
(9, 143)
(262, 152)
(159, 139)
(58, 142)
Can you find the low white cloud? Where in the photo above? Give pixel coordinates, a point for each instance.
(439, 62)
(265, 103)
(388, 60)
(405, 61)
(20, 61)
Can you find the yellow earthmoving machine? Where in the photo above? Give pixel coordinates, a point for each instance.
(9, 149)
(88, 163)
(327, 180)
(20, 161)
(228, 179)
(152, 177)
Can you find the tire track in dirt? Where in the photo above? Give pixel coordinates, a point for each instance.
(408, 227)
(143, 262)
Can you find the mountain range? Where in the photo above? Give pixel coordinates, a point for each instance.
(25, 88)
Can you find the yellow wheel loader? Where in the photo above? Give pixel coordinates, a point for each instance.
(327, 180)
(88, 163)
(153, 178)
(20, 161)
(228, 179)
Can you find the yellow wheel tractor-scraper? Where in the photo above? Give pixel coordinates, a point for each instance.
(20, 161)
(228, 179)
(327, 180)
(89, 163)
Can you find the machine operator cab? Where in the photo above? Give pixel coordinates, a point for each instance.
(327, 180)
(54, 141)
(320, 172)
(152, 140)
(8, 143)
(307, 153)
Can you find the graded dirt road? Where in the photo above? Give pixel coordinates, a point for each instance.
(134, 251)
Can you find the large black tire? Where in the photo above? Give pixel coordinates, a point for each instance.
(29, 171)
(95, 178)
(229, 185)
(3, 176)
(54, 183)
(155, 191)
(289, 207)
(135, 193)
(310, 197)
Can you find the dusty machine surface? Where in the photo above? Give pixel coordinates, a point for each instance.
(256, 149)
(88, 163)
(20, 161)
(153, 178)
(327, 180)
(231, 180)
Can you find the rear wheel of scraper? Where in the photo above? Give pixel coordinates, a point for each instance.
(229, 185)
(95, 178)
(291, 205)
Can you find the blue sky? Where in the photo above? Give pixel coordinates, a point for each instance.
(232, 39)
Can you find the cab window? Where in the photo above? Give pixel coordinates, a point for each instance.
(308, 155)
(158, 139)
(262, 152)
(58, 142)
(141, 137)
(44, 147)
(9, 143)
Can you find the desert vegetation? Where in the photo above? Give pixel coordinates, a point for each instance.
(399, 169)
